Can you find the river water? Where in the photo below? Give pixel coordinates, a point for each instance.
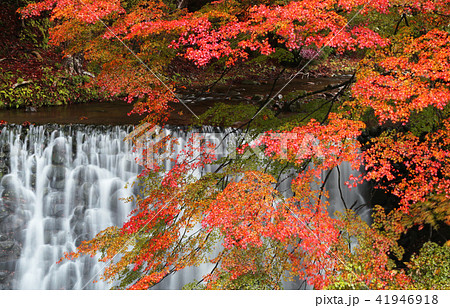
(115, 112)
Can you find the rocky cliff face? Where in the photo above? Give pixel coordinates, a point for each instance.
(12, 223)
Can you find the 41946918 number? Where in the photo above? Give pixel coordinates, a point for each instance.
(407, 299)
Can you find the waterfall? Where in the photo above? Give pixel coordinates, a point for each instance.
(341, 197)
(61, 185)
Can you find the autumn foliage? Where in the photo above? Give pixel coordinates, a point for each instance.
(267, 237)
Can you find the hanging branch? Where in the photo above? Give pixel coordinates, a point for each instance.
(399, 22)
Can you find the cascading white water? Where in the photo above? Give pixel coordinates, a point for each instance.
(341, 197)
(69, 183)
(64, 184)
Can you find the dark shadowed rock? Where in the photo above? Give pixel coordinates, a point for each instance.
(6, 245)
(4, 275)
(56, 173)
(59, 151)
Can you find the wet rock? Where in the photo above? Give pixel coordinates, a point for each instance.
(10, 182)
(257, 97)
(249, 82)
(72, 277)
(54, 205)
(4, 275)
(90, 193)
(85, 174)
(3, 171)
(81, 238)
(53, 197)
(12, 224)
(130, 166)
(8, 265)
(23, 214)
(61, 238)
(79, 228)
(59, 151)
(52, 227)
(55, 210)
(6, 278)
(114, 204)
(9, 250)
(115, 186)
(80, 232)
(6, 148)
(58, 185)
(57, 173)
(3, 165)
(33, 181)
(6, 245)
(78, 212)
(32, 162)
(3, 213)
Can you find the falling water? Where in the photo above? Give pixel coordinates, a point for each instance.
(65, 184)
(61, 185)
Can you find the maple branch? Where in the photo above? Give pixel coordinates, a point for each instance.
(279, 175)
(256, 113)
(271, 262)
(440, 14)
(340, 188)
(329, 109)
(213, 84)
(181, 237)
(273, 87)
(302, 284)
(225, 71)
(239, 143)
(335, 97)
(212, 271)
(223, 178)
(327, 88)
(19, 84)
(356, 208)
(322, 187)
(204, 241)
(174, 269)
(399, 22)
